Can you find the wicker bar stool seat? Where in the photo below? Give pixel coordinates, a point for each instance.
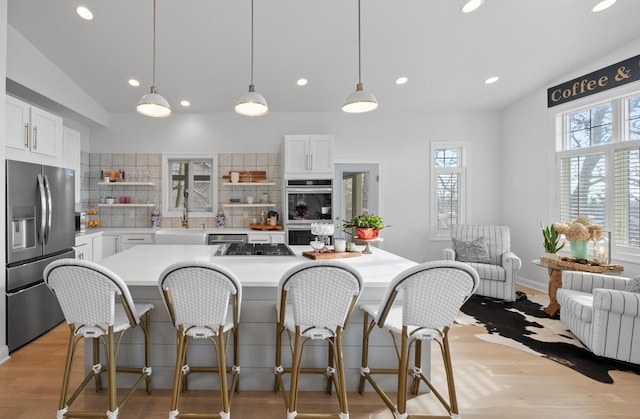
(87, 293)
(203, 300)
(315, 300)
(421, 304)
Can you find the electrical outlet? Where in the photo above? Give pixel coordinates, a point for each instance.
(132, 214)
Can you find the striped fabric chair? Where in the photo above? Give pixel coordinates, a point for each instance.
(491, 257)
(606, 318)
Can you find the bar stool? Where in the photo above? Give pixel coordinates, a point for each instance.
(87, 294)
(432, 294)
(315, 300)
(203, 300)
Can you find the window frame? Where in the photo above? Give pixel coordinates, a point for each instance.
(167, 186)
(619, 140)
(463, 187)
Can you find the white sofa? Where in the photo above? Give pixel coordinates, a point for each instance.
(598, 311)
(497, 276)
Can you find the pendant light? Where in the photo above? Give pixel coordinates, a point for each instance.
(252, 103)
(153, 104)
(359, 101)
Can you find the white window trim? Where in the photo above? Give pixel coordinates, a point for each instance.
(618, 127)
(166, 190)
(463, 190)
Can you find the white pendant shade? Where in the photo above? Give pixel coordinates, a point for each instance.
(360, 101)
(154, 105)
(252, 104)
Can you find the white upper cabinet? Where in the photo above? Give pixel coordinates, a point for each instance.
(32, 134)
(308, 156)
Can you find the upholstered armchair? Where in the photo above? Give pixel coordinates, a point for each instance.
(602, 312)
(488, 250)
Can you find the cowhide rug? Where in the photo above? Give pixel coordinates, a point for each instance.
(524, 325)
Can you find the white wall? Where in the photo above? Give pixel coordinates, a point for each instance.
(400, 142)
(529, 174)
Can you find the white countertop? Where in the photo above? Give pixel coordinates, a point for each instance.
(142, 265)
(161, 230)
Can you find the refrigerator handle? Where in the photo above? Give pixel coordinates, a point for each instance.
(43, 208)
(49, 209)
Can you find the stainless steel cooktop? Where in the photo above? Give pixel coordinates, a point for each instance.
(254, 249)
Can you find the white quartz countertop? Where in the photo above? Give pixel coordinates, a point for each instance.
(142, 265)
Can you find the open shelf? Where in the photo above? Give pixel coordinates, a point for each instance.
(249, 205)
(126, 183)
(267, 183)
(127, 205)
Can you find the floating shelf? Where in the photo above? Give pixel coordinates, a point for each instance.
(126, 183)
(249, 205)
(268, 183)
(127, 205)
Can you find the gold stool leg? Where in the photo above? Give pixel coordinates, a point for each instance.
(279, 330)
(366, 332)
(402, 372)
(342, 385)
(222, 370)
(146, 329)
(67, 369)
(417, 356)
(111, 371)
(177, 374)
(295, 372)
(448, 365)
(96, 361)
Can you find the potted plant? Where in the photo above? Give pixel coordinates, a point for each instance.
(367, 226)
(551, 241)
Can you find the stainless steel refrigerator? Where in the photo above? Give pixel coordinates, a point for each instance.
(40, 228)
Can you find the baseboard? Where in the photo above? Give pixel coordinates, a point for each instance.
(532, 284)
(4, 354)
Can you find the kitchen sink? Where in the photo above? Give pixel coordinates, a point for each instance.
(181, 236)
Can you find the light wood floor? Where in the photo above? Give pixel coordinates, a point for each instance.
(493, 381)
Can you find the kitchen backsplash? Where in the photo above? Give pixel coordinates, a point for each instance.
(148, 168)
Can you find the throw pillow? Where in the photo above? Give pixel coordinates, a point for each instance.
(633, 285)
(473, 251)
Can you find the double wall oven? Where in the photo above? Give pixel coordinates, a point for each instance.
(307, 201)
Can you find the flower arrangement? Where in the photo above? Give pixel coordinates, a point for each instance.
(576, 230)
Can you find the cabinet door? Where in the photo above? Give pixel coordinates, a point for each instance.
(276, 238)
(46, 132)
(321, 152)
(17, 124)
(96, 252)
(71, 155)
(110, 245)
(296, 153)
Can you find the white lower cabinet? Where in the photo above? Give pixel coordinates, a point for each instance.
(84, 248)
(97, 248)
(129, 240)
(110, 244)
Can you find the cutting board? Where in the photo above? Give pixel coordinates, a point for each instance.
(265, 227)
(249, 176)
(331, 255)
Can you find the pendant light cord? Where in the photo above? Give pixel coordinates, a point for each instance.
(154, 45)
(359, 47)
(252, 42)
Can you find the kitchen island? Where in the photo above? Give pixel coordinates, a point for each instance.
(140, 268)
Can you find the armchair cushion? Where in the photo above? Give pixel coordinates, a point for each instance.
(471, 251)
(633, 285)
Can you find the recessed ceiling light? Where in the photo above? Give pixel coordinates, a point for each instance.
(604, 4)
(185, 103)
(471, 5)
(401, 80)
(134, 82)
(491, 80)
(302, 82)
(84, 13)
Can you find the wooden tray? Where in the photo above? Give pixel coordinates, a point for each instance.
(265, 227)
(249, 176)
(567, 264)
(331, 255)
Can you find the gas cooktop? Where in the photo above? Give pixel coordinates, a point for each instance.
(251, 249)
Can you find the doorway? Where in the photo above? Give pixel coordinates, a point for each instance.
(355, 191)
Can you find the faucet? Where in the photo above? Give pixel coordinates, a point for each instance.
(185, 211)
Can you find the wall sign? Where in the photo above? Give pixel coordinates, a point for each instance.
(607, 78)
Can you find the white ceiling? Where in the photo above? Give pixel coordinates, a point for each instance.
(203, 49)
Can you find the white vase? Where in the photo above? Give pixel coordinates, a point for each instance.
(551, 255)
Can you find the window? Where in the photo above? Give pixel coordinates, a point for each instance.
(599, 170)
(448, 196)
(189, 181)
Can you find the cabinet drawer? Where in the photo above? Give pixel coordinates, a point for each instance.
(136, 239)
